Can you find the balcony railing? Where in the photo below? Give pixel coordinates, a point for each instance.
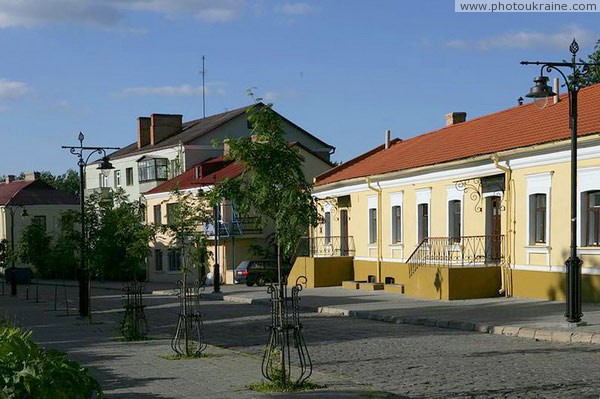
(465, 251)
(315, 247)
(239, 226)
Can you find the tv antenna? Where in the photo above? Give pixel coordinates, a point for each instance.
(203, 73)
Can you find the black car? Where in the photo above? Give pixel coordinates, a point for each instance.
(259, 272)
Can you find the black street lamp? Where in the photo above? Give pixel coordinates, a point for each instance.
(14, 276)
(83, 276)
(542, 91)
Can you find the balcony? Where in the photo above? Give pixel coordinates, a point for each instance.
(316, 247)
(236, 227)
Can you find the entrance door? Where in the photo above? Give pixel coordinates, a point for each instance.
(494, 229)
(344, 232)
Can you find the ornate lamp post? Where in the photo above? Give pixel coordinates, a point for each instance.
(105, 166)
(541, 91)
(14, 277)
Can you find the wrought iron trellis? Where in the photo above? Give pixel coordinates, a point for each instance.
(286, 329)
(188, 339)
(134, 322)
(471, 187)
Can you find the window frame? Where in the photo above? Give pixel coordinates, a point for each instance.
(589, 240)
(373, 226)
(153, 169)
(158, 260)
(454, 221)
(129, 176)
(396, 221)
(157, 212)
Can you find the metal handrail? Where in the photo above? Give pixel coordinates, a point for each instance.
(463, 251)
(326, 246)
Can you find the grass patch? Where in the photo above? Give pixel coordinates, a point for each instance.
(189, 357)
(288, 386)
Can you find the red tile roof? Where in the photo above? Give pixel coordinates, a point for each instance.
(33, 192)
(220, 170)
(516, 127)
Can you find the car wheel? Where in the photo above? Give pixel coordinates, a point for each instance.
(249, 283)
(260, 281)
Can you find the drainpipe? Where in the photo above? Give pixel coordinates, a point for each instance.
(506, 280)
(379, 230)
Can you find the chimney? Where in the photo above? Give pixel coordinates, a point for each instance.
(9, 179)
(454, 118)
(163, 126)
(388, 133)
(31, 176)
(556, 88)
(143, 131)
(225, 148)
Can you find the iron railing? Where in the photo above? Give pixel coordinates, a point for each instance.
(325, 246)
(464, 251)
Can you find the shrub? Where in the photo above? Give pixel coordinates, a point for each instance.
(29, 371)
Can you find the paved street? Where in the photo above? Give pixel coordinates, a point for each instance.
(353, 357)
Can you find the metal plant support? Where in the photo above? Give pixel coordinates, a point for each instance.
(134, 322)
(189, 335)
(286, 329)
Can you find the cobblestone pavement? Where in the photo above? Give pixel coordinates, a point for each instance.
(354, 357)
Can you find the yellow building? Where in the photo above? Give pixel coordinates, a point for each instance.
(478, 208)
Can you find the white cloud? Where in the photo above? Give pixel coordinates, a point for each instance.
(528, 40)
(10, 90)
(109, 13)
(31, 13)
(181, 91)
(295, 9)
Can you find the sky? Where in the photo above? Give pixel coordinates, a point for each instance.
(344, 70)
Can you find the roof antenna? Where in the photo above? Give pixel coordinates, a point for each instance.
(203, 72)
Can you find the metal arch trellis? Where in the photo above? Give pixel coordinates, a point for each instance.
(286, 328)
(471, 187)
(188, 339)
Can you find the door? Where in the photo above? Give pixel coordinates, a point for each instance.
(344, 232)
(494, 229)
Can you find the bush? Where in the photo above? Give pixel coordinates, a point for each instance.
(29, 371)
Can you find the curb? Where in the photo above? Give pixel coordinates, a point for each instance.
(510, 331)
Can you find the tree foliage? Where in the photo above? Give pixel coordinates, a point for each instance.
(34, 247)
(272, 185)
(593, 76)
(116, 236)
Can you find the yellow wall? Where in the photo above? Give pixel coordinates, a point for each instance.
(322, 272)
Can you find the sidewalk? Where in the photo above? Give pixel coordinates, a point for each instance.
(521, 317)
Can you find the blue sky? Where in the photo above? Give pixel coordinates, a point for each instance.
(344, 70)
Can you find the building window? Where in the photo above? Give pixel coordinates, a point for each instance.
(117, 178)
(454, 221)
(158, 260)
(174, 256)
(591, 202)
(40, 220)
(129, 176)
(537, 219)
(423, 221)
(172, 212)
(396, 224)
(103, 180)
(153, 169)
(372, 225)
(327, 227)
(157, 215)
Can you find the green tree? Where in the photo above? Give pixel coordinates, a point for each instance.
(65, 250)
(185, 217)
(272, 184)
(116, 236)
(34, 248)
(3, 254)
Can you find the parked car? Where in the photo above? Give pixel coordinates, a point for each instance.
(259, 272)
